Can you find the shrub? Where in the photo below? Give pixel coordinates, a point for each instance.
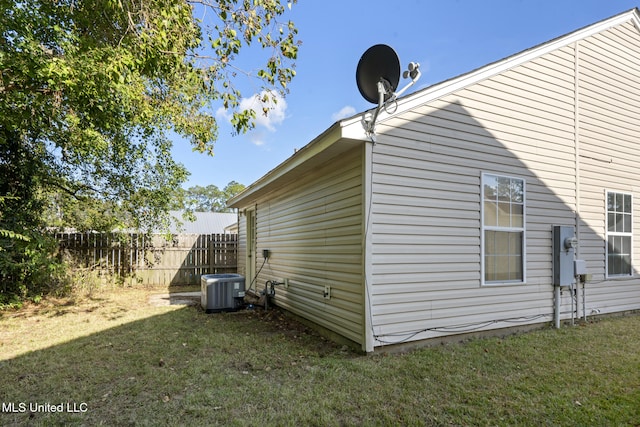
(30, 268)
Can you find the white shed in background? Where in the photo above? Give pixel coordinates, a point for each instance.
(204, 223)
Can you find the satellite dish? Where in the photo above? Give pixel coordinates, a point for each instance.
(378, 75)
(379, 64)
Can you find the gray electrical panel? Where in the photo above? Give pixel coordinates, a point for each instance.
(564, 248)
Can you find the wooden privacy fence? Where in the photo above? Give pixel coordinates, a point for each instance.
(151, 260)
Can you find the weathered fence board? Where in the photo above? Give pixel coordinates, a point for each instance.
(140, 259)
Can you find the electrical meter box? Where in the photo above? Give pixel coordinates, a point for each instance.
(564, 249)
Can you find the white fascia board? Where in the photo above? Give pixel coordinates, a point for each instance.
(352, 128)
(439, 90)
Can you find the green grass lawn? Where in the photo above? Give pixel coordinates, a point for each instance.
(118, 361)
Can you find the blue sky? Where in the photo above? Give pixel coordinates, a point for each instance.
(447, 37)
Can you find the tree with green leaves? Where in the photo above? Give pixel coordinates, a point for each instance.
(207, 199)
(92, 90)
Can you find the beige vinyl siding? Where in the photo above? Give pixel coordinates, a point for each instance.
(609, 97)
(313, 226)
(427, 166)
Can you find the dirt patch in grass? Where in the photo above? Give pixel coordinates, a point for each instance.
(280, 323)
(175, 298)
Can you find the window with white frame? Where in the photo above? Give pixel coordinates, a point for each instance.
(619, 237)
(503, 227)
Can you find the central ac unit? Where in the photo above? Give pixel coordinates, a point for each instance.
(221, 292)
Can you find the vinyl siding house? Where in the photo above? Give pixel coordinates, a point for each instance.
(443, 226)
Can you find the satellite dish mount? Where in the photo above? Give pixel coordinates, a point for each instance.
(377, 76)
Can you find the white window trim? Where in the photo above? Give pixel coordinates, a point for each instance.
(608, 233)
(483, 282)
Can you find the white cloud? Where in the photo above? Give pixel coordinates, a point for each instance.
(257, 137)
(222, 113)
(276, 108)
(345, 112)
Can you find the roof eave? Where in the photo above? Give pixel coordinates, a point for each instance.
(341, 131)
